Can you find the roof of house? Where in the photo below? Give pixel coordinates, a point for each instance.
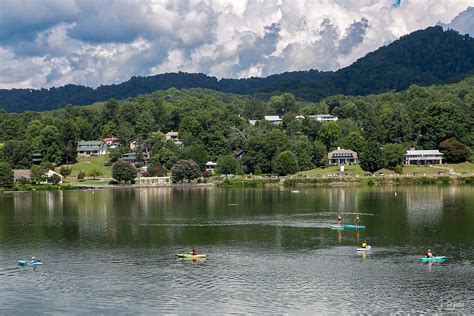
(424, 152)
(272, 118)
(90, 143)
(342, 153)
(110, 139)
(21, 173)
(172, 133)
(211, 163)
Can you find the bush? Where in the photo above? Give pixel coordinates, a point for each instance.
(398, 169)
(65, 171)
(123, 171)
(285, 163)
(454, 151)
(81, 175)
(185, 170)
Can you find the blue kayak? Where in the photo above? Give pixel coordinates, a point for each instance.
(439, 258)
(354, 226)
(31, 263)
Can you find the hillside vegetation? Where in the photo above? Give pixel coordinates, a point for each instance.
(423, 57)
(215, 124)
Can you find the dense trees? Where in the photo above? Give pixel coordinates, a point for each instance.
(371, 159)
(123, 171)
(285, 163)
(185, 170)
(212, 125)
(454, 151)
(227, 165)
(6, 174)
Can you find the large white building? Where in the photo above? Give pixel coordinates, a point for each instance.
(274, 119)
(324, 118)
(423, 157)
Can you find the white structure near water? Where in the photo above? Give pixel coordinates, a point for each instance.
(423, 157)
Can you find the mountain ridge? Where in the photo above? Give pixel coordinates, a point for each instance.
(424, 57)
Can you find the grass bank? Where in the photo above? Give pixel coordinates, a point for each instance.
(88, 163)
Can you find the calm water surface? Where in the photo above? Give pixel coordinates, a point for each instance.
(270, 251)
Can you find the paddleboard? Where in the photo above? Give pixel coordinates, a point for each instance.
(337, 226)
(364, 249)
(439, 258)
(354, 226)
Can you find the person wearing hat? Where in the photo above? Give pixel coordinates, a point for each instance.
(429, 254)
(364, 244)
(34, 259)
(338, 220)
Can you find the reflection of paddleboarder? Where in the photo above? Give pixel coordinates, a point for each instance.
(339, 235)
(357, 220)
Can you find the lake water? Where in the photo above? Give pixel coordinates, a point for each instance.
(269, 251)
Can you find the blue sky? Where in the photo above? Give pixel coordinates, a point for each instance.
(56, 42)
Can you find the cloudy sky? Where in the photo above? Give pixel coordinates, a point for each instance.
(45, 43)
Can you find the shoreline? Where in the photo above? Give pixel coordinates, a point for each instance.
(263, 182)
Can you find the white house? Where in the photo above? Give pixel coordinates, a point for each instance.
(174, 137)
(274, 119)
(423, 157)
(91, 148)
(210, 165)
(51, 173)
(324, 118)
(342, 157)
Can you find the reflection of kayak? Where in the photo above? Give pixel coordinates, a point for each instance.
(190, 256)
(439, 258)
(337, 226)
(31, 263)
(354, 226)
(364, 249)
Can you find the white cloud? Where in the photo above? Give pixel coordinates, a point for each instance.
(49, 43)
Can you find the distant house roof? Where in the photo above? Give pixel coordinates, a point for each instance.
(211, 163)
(423, 152)
(342, 153)
(272, 118)
(90, 143)
(172, 134)
(21, 173)
(252, 122)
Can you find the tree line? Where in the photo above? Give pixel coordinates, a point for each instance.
(213, 125)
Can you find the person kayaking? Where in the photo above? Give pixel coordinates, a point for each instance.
(194, 253)
(338, 220)
(357, 220)
(364, 244)
(34, 259)
(429, 254)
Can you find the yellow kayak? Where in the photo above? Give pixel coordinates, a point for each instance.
(190, 256)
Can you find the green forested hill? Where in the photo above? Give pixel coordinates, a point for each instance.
(212, 124)
(424, 57)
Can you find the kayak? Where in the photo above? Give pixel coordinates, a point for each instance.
(190, 256)
(31, 263)
(364, 249)
(439, 258)
(337, 226)
(354, 226)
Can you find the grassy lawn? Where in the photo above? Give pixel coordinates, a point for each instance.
(409, 170)
(89, 163)
(74, 181)
(352, 169)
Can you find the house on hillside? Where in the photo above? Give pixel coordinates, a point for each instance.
(324, 118)
(210, 165)
(173, 137)
(423, 157)
(342, 157)
(91, 148)
(51, 173)
(274, 119)
(21, 174)
(111, 142)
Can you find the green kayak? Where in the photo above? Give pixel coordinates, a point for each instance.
(190, 256)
